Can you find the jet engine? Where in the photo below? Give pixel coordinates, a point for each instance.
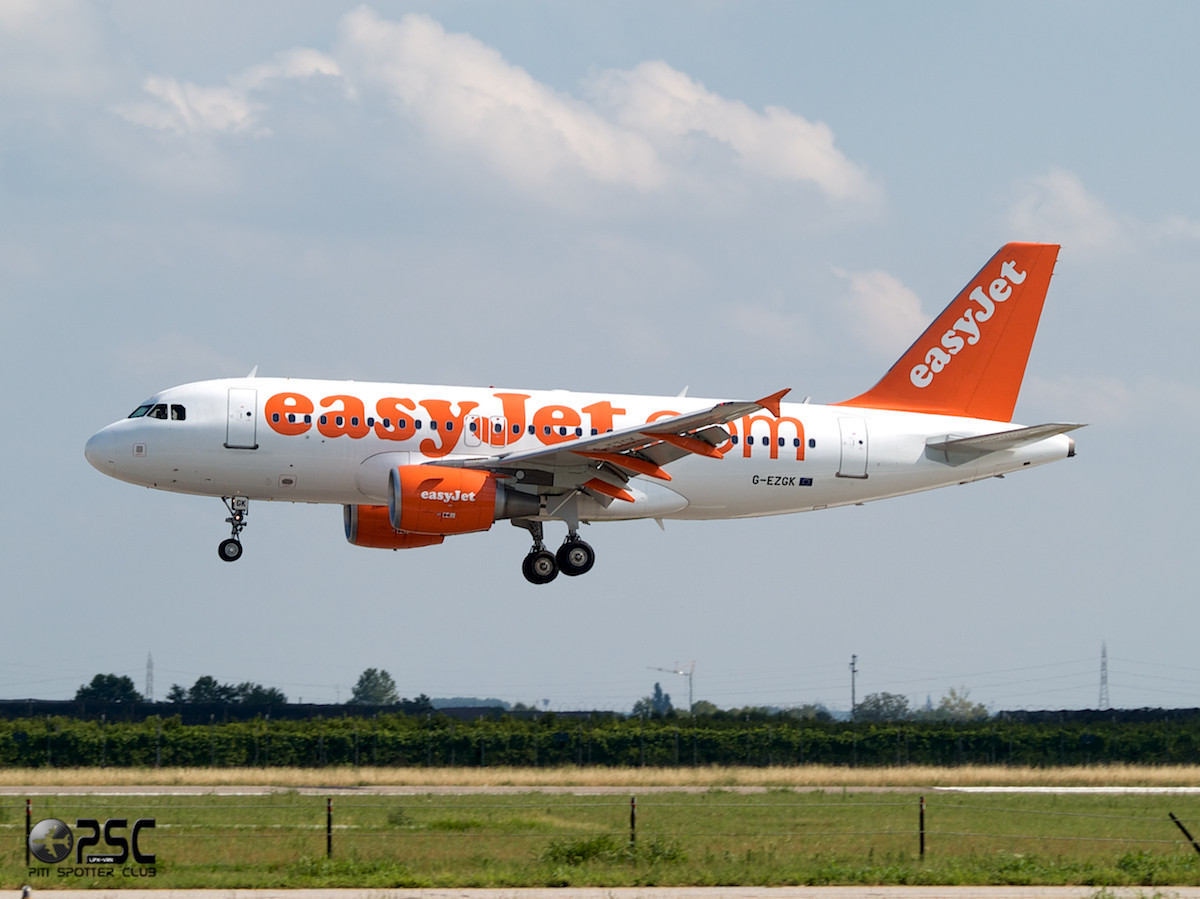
(434, 499)
(372, 526)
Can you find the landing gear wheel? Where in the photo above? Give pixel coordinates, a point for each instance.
(239, 507)
(539, 567)
(574, 558)
(230, 550)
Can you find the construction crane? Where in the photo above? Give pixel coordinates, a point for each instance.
(686, 672)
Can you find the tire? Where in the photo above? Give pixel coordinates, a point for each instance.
(230, 550)
(539, 567)
(575, 558)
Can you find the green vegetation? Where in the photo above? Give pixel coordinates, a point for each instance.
(434, 740)
(709, 838)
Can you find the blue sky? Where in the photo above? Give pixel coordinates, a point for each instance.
(733, 197)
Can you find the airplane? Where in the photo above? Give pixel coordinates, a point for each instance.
(414, 464)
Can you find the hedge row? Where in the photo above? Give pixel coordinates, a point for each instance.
(436, 741)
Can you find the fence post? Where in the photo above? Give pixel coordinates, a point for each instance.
(28, 827)
(922, 827)
(632, 824)
(329, 827)
(1179, 824)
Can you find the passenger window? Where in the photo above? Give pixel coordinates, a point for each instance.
(449, 426)
(812, 443)
(781, 443)
(734, 439)
(178, 413)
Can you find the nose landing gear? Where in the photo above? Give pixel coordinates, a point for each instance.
(239, 507)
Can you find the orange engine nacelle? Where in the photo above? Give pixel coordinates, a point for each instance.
(434, 499)
(372, 526)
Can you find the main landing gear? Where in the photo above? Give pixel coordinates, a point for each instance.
(239, 507)
(541, 566)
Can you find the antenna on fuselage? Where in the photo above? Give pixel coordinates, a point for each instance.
(253, 372)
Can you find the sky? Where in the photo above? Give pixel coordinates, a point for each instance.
(622, 197)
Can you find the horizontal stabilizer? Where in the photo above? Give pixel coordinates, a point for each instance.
(1000, 440)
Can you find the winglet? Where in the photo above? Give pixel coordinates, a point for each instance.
(771, 403)
(971, 360)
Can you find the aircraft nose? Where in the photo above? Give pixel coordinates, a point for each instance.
(100, 451)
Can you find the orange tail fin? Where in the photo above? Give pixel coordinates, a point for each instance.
(971, 360)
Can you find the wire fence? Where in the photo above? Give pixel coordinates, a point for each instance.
(196, 830)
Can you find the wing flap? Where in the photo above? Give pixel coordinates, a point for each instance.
(636, 450)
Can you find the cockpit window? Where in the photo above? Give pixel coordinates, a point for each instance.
(175, 412)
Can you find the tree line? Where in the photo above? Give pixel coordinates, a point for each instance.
(375, 687)
(435, 740)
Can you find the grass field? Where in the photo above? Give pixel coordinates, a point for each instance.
(807, 776)
(805, 829)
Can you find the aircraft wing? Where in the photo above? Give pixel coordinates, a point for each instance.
(604, 463)
(1000, 440)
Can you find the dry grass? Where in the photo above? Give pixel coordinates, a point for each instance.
(805, 776)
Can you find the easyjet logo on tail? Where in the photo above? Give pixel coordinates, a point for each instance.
(968, 330)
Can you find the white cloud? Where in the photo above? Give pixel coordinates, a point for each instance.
(650, 129)
(881, 311)
(467, 95)
(667, 106)
(51, 48)
(1107, 400)
(183, 108)
(1055, 207)
(298, 63)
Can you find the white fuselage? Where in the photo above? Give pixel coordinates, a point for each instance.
(316, 441)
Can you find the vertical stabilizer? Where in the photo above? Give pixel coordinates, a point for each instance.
(971, 360)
